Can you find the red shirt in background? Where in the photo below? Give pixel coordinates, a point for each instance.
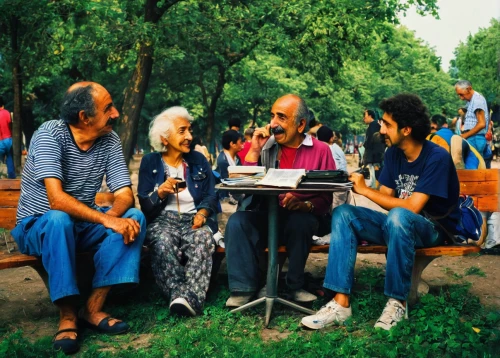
(243, 153)
(5, 124)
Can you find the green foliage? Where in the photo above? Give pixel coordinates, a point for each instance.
(451, 323)
(474, 270)
(226, 58)
(477, 60)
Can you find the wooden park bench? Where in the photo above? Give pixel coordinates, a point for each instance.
(10, 257)
(482, 185)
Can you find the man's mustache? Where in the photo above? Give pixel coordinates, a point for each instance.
(111, 121)
(277, 130)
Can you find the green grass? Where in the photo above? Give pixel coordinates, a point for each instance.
(474, 270)
(442, 325)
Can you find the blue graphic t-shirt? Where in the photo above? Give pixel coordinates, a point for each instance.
(432, 173)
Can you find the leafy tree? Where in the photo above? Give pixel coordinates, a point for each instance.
(213, 36)
(25, 37)
(478, 60)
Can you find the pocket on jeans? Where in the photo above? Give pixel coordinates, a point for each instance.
(28, 243)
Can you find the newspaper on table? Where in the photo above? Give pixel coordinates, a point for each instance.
(247, 180)
(283, 178)
(245, 170)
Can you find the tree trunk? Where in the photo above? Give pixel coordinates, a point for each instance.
(28, 121)
(134, 99)
(138, 85)
(254, 117)
(219, 88)
(18, 96)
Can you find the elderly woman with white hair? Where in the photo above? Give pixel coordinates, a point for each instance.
(177, 195)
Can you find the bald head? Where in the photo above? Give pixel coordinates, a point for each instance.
(297, 105)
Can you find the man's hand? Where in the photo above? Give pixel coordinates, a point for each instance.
(481, 123)
(259, 138)
(291, 202)
(128, 228)
(359, 184)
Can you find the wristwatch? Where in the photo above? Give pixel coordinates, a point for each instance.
(310, 205)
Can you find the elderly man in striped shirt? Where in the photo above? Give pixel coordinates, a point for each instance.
(57, 215)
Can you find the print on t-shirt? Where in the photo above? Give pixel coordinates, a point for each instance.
(405, 185)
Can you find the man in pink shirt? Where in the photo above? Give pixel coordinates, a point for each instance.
(6, 140)
(281, 144)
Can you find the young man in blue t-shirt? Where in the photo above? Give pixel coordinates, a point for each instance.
(418, 176)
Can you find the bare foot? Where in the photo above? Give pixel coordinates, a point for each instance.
(96, 317)
(66, 323)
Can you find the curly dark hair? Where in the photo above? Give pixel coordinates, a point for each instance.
(76, 100)
(408, 110)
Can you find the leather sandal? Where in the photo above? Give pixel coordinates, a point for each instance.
(66, 345)
(104, 327)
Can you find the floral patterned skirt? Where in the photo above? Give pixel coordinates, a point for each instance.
(181, 257)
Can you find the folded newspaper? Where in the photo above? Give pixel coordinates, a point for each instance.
(247, 180)
(283, 178)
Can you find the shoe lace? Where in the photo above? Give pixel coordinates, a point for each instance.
(327, 310)
(392, 312)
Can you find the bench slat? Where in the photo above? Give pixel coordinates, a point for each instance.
(481, 188)
(378, 249)
(17, 260)
(8, 218)
(9, 199)
(467, 175)
(10, 184)
(487, 203)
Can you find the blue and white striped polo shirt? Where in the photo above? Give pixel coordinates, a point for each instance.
(476, 102)
(53, 153)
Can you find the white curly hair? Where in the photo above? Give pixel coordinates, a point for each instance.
(162, 124)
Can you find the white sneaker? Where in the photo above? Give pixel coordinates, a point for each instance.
(181, 307)
(301, 295)
(219, 239)
(239, 300)
(330, 314)
(393, 312)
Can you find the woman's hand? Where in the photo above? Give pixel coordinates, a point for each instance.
(199, 219)
(168, 187)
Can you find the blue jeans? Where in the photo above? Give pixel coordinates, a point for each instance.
(6, 151)
(401, 230)
(57, 237)
(478, 141)
(246, 237)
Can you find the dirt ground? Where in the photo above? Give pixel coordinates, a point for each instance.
(24, 299)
